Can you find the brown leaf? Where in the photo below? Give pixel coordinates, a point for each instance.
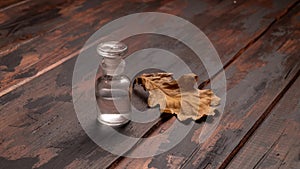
(178, 96)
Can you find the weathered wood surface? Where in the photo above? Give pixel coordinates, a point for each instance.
(10, 3)
(275, 144)
(38, 43)
(256, 80)
(269, 76)
(38, 124)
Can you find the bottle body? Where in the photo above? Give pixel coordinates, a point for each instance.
(112, 88)
(112, 94)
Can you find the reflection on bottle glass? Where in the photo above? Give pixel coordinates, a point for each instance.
(112, 89)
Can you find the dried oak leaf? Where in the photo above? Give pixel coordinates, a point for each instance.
(178, 96)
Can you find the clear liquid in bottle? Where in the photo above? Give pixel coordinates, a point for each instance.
(112, 89)
(114, 106)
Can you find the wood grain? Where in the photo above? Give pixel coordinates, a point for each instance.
(30, 19)
(39, 128)
(25, 59)
(256, 80)
(34, 114)
(253, 108)
(10, 3)
(275, 144)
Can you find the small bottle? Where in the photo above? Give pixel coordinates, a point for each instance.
(112, 88)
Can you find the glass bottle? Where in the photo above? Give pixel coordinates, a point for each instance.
(112, 88)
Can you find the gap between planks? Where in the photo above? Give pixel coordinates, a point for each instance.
(14, 5)
(259, 122)
(270, 107)
(268, 152)
(205, 83)
(43, 71)
(47, 69)
(155, 126)
(250, 43)
(236, 56)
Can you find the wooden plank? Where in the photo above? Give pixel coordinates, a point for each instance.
(35, 113)
(45, 125)
(275, 144)
(38, 27)
(10, 3)
(255, 82)
(251, 109)
(27, 61)
(30, 19)
(24, 61)
(42, 118)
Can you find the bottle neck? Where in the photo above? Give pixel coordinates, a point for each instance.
(113, 66)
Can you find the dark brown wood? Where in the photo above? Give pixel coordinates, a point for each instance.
(42, 117)
(234, 133)
(31, 19)
(10, 3)
(275, 144)
(256, 80)
(32, 55)
(55, 38)
(38, 125)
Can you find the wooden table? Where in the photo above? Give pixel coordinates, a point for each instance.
(259, 45)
